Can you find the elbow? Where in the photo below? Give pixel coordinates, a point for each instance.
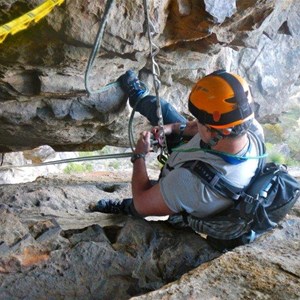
(140, 205)
(151, 206)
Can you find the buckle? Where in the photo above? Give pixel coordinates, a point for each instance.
(248, 199)
(162, 158)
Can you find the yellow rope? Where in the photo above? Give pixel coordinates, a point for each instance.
(24, 21)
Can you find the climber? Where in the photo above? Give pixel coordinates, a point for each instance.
(221, 105)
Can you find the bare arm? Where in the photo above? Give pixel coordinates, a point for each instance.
(190, 130)
(147, 199)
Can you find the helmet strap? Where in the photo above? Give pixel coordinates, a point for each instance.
(218, 137)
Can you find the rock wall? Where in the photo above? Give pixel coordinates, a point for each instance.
(51, 247)
(42, 94)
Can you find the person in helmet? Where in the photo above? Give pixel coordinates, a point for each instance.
(221, 105)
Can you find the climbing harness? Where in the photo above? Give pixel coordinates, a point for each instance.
(24, 21)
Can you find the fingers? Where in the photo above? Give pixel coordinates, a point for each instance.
(155, 129)
(143, 143)
(168, 128)
(145, 135)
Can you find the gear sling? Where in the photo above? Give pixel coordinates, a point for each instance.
(258, 207)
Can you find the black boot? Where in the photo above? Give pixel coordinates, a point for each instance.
(135, 89)
(106, 206)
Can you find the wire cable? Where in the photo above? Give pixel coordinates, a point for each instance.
(154, 49)
(68, 160)
(96, 47)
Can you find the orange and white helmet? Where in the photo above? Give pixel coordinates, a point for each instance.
(221, 100)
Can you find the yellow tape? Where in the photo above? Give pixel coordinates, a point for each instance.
(23, 22)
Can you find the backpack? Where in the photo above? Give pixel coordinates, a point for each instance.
(257, 208)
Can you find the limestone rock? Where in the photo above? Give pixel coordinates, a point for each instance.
(51, 247)
(265, 269)
(45, 92)
(220, 9)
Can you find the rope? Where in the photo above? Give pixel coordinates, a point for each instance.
(96, 47)
(24, 21)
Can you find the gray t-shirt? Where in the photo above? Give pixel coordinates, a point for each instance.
(183, 190)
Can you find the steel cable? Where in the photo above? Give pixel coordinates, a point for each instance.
(154, 49)
(96, 47)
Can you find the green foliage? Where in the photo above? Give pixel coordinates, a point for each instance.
(107, 150)
(115, 164)
(292, 162)
(103, 151)
(287, 131)
(86, 153)
(274, 133)
(273, 155)
(277, 158)
(291, 122)
(72, 168)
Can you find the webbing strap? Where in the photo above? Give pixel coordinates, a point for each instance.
(217, 181)
(213, 179)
